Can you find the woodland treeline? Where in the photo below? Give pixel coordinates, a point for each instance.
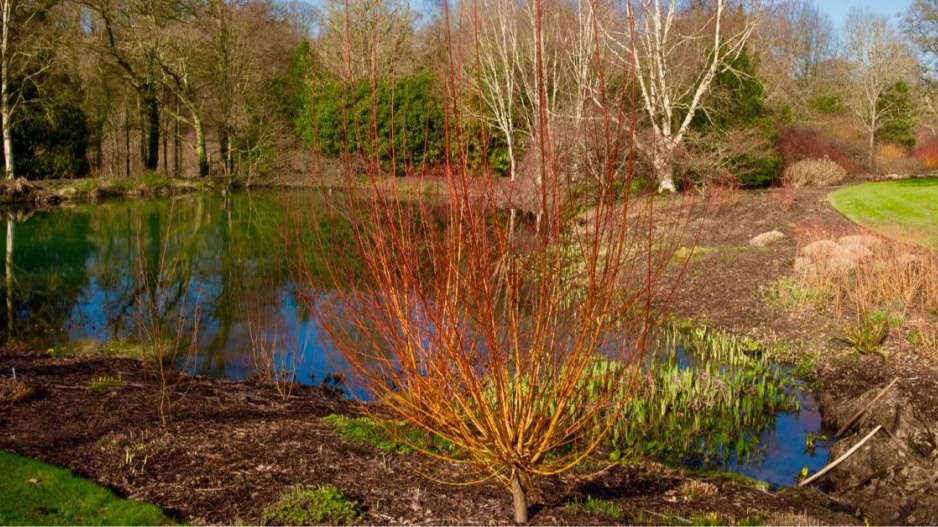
(728, 91)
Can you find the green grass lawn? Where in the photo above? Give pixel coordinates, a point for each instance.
(34, 493)
(906, 210)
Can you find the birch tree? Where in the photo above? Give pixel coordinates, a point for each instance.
(498, 51)
(25, 56)
(511, 39)
(676, 52)
(876, 58)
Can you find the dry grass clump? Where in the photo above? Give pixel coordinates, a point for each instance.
(723, 198)
(814, 173)
(873, 285)
(929, 292)
(924, 336)
(693, 488)
(13, 391)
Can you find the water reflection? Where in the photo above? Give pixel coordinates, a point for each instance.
(75, 274)
(72, 274)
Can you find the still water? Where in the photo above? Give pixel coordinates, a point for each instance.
(74, 275)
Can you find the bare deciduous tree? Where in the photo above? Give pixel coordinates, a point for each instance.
(921, 26)
(676, 53)
(124, 35)
(797, 43)
(26, 54)
(876, 58)
(380, 41)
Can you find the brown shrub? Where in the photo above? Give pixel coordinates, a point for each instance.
(894, 159)
(814, 173)
(797, 143)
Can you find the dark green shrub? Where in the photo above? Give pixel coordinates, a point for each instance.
(400, 122)
(50, 134)
(306, 506)
(826, 103)
(738, 124)
(899, 127)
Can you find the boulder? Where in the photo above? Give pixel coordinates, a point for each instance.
(820, 249)
(865, 240)
(766, 238)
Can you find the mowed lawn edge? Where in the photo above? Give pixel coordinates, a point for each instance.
(906, 210)
(35, 493)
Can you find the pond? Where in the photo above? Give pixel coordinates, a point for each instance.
(73, 275)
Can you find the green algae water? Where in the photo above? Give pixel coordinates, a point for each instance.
(72, 280)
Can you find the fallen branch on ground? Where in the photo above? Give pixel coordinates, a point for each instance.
(863, 410)
(841, 459)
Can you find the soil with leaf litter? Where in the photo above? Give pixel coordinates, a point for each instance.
(233, 448)
(894, 478)
(230, 449)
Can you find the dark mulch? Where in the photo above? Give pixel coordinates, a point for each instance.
(232, 448)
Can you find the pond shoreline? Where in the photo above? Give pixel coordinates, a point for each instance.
(732, 286)
(232, 447)
(43, 194)
(725, 288)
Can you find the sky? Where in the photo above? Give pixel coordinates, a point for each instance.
(838, 9)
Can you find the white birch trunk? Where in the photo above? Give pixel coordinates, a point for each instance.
(5, 109)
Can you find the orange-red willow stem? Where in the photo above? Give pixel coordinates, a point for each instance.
(507, 318)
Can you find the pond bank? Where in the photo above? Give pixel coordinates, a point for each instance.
(735, 287)
(232, 448)
(22, 192)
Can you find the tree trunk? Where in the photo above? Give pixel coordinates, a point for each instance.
(229, 157)
(126, 140)
(5, 93)
(520, 500)
(224, 141)
(165, 137)
(662, 165)
(223, 144)
(176, 149)
(7, 137)
(512, 165)
(151, 106)
(200, 146)
(872, 156)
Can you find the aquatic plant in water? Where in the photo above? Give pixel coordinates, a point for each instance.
(705, 398)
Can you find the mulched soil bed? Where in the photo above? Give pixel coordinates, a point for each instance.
(232, 448)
